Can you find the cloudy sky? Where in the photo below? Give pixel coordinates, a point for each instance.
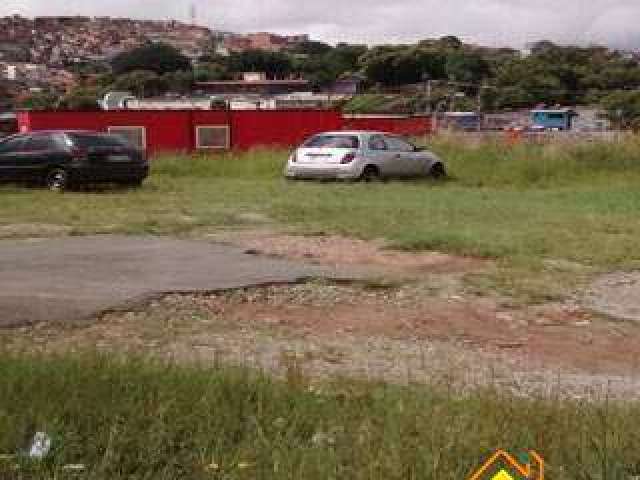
(491, 22)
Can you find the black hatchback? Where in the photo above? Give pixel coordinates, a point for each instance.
(64, 159)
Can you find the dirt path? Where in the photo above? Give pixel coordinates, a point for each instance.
(396, 335)
(371, 257)
(423, 325)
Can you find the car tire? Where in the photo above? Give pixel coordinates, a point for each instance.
(57, 180)
(136, 183)
(370, 174)
(438, 172)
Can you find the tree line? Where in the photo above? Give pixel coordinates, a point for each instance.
(499, 78)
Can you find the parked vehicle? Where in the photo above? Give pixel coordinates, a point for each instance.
(362, 155)
(64, 159)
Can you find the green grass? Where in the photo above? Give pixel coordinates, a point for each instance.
(520, 205)
(136, 420)
(535, 209)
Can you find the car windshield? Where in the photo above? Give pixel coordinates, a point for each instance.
(92, 140)
(333, 141)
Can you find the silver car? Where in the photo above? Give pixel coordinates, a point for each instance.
(362, 155)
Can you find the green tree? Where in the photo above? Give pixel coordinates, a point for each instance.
(179, 82)
(401, 66)
(450, 42)
(325, 66)
(274, 64)
(623, 108)
(208, 72)
(344, 57)
(317, 70)
(40, 101)
(466, 67)
(311, 48)
(80, 98)
(154, 57)
(141, 83)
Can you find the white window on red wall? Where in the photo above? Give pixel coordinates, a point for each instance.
(137, 136)
(212, 137)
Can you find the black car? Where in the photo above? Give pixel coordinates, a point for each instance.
(64, 159)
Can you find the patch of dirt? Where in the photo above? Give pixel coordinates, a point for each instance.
(407, 333)
(338, 251)
(616, 295)
(26, 230)
(559, 336)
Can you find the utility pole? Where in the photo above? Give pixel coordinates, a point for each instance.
(193, 14)
(426, 78)
(480, 87)
(434, 115)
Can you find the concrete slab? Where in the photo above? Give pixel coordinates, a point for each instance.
(75, 278)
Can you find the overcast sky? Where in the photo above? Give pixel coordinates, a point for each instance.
(490, 22)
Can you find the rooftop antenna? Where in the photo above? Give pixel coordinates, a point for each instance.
(193, 13)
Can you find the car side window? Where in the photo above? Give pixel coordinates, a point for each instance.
(377, 142)
(39, 143)
(397, 144)
(11, 145)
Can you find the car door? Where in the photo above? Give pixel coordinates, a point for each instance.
(378, 154)
(10, 154)
(38, 152)
(405, 160)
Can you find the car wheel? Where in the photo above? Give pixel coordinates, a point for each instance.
(136, 183)
(438, 172)
(57, 180)
(370, 174)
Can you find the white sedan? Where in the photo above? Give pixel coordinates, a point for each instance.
(362, 155)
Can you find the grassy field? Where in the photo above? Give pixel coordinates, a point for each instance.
(136, 420)
(549, 214)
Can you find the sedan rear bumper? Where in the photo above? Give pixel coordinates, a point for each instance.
(338, 172)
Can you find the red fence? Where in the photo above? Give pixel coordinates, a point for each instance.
(280, 127)
(190, 130)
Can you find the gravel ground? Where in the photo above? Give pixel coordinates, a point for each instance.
(295, 330)
(616, 295)
(419, 324)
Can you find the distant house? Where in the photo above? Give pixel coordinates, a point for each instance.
(348, 85)
(115, 100)
(558, 119)
(254, 83)
(463, 120)
(262, 41)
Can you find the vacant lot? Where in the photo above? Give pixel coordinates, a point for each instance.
(549, 214)
(518, 231)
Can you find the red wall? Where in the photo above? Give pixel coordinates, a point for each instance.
(174, 130)
(391, 124)
(165, 131)
(251, 128)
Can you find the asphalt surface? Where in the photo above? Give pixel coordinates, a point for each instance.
(77, 278)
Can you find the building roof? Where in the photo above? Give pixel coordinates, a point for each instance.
(555, 110)
(461, 114)
(253, 82)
